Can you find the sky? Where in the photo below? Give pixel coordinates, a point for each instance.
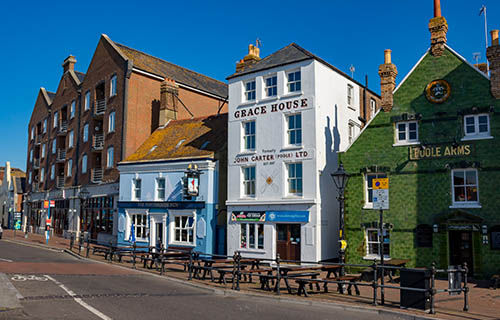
(210, 36)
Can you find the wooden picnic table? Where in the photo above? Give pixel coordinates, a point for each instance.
(401, 263)
(286, 269)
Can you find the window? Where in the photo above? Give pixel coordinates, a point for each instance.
(294, 81)
(465, 187)
(252, 236)
(42, 174)
(111, 122)
(113, 86)
(369, 187)
(140, 225)
(373, 107)
(249, 181)
(249, 135)
(294, 178)
(54, 146)
(70, 167)
(183, 229)
(350, 95)
(407, 132)
(477, 125)
(56, 118)
(70, 139)
(294, 129)
(160, 189)
(136, 189)
(72, 109)
(31, 155)
(250, 90)
(44, 128)
(43, 150)
(272, 86)
(87, 101)
(109, 160)
(86, 132)
(32, 133)
(52, 171)
(84, 163)
(351, 132)
(29, 178)
(372, 243)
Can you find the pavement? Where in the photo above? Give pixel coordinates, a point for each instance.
(484, 302)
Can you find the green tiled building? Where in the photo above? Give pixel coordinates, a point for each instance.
(437, 140)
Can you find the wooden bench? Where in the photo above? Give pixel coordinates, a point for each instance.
(351, 280)
(495, 281)
(257, 271)
(303, 282)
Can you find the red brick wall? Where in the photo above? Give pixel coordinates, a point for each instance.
(369, 96)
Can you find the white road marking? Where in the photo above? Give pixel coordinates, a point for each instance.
(80, 301)
(5, 260)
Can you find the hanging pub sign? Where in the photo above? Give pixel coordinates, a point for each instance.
(440, 151)
(191, 182)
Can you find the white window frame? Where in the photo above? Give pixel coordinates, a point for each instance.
(56, 118)
(71, 137)
(295, 130)
(72, 109)
(246, 229)
(43, 150)
(133, 218)
(158, 189)
(250, 93)
(136, 190)
(272, 87)
(248, 184)
(86, 132)
(112, 86)
(69, 168)
(250, 137)
(87, 100)
(44, 126)
(465, 203)
(294, 85)
(54, 146)
(375, 255)
(373, 107)
(52, 171)
(84, 163)
(350, 130)
(32, 133)
(476, 134)
(377, 175)
(295, 177)
(350, 95)
(42, 174)
(111, 122)
(173, 214)
(406, 132)
(110, 157)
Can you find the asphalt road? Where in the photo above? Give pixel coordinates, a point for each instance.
(90, 290)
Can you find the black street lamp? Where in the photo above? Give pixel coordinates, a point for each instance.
(83, 195)
(340, 178)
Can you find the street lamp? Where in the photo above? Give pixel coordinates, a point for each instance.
(340, 178)
(83, 195)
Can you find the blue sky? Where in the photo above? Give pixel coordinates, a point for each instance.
(210, 36)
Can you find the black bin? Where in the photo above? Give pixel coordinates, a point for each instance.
(415, 278)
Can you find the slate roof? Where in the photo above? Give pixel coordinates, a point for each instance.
(51, 95)
(184, 139)
(80, 75)
(166, 69)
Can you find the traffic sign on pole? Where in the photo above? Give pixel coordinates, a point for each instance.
(381, 194)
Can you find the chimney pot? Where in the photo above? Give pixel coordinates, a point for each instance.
(388, 73)
(437, 8)
(494, 37)
(387, 56)
(493, 55)
(168, 102)
(252, 57)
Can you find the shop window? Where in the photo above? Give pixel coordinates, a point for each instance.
(249, 135)
(294, 131)
(250, 90)
(272, 86)
(294, 178)
(465, 187)
(477, 126)
(183, 229)
(294, 81)
(252, 236)
(406, 132)
(424, 236)
(160, 189)
(140, 224)
(249, 181)
(369, 187)
(372, 243)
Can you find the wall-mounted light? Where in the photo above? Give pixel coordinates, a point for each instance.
(435, 228)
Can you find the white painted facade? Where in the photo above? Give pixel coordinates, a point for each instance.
(326, 115)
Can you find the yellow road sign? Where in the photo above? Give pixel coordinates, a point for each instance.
(382, 183)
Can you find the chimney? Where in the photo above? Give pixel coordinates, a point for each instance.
(438, 28)
(168, 102)
(69, 64)
(388, 73)
(251, 58)
(493, 55)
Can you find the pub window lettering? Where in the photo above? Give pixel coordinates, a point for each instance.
(369, 187)
(252, 236)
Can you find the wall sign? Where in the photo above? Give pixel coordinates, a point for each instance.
(270, 216)
(438, 91)
(280, 106)
(269, 157)
(440, 151)
(256, 216)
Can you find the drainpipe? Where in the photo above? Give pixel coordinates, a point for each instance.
(129, 64)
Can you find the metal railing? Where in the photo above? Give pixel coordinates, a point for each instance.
(38, 139)
(96, 175)
(35, 187)
(100, 107)
(61, 155)
(98, 141)
(63, 127)
(36, 163)
(60, 182)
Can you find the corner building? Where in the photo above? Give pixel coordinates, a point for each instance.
(289, 114)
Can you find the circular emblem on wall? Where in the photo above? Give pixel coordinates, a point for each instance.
(438, 91)
(269, 180)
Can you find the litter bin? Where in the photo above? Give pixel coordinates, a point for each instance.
(415, 278)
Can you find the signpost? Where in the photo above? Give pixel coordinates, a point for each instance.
(47, 204)
(381, 202)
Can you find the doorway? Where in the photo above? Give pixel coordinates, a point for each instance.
(288, 241)
(159, 235)
(461, 249)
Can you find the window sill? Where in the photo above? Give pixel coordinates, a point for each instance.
(472, 138)
(183, 244)
(292, 148)
(292, 94)
(466, 205)
(246, 250)
(403, 144)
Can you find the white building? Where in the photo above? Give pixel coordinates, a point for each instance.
(289, 114)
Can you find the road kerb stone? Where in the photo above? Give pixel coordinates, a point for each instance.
(9, 296)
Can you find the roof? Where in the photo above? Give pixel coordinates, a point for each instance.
(80, 75)
(148, 63)
(290, 54)
(20, 184)
(51, 95)
(184, 139)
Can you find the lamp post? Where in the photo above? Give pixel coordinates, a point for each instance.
(83, 195)
(340, 178)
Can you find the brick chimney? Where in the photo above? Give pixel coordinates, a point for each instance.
(251, 58)
(168, 102)
(69, 64)
(493, 55)
(387, 73)
(438, 28)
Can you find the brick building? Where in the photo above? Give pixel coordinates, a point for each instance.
(94, 120)
(12, 188)
(436, 139)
